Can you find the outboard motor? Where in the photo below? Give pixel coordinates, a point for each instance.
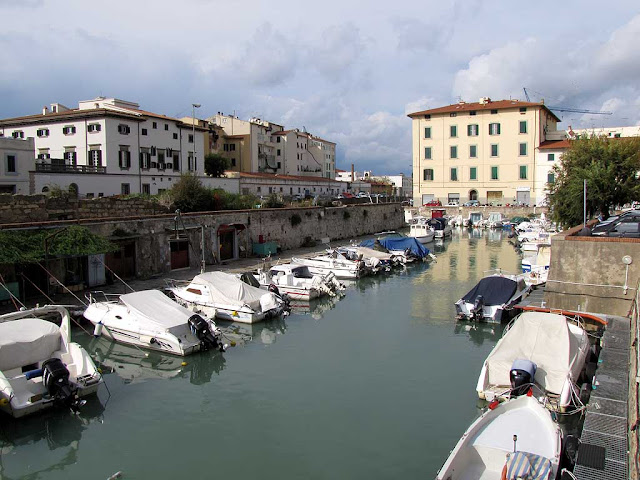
(522, 374)
(200, 328)
(55, 377)
(273, 288)
(477, 307)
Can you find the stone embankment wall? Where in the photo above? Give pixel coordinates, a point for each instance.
(43, 208)
(589, 274)
(287, 227)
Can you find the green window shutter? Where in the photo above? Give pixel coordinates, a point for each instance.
(523, 172)
(494, 173)
(454, 174)
(473, 173)
(427, 132)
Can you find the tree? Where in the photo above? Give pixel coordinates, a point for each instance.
(610, 166)
(189, 195)
(215, 164)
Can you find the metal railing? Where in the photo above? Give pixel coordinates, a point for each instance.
(53, 168)
(634, 400)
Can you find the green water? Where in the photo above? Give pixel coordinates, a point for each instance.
(380, 384)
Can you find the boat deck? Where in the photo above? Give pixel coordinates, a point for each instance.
(603, 444)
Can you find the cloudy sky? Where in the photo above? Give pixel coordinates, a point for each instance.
(348, 71)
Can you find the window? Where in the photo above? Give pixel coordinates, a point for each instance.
(427, 117)
(42, 132)
(523, 172)
(191, 138)
(472, 113)
(454, 174)
(124, 157)
(232, 147)
(145, 158)
(233, 162)
(427, 153)
(166, 127)
(43, 154)
(95, 158)
(146, 189)
(11, 164)
(161, 164)
(551, 157)
(427, 174)
(225, 147)
(123, 129)
(18, 134)
(427, 132)
(453, 151)
(494, 112)
(523, 126)
(453, 114)
(473, 173)
(154, 125)
(94, 127)
(523, 149)
(69, 130)
(176, 162)
(175, 136)
(494, 149)
(70, 156)
(278, 139)
(472, 130)
(551, 177)
(473, 151)
(278, 152)
(494, 129)
(144, 131)
(453, 131)
(190, 162)
(494, 173)
(523, 109)
(125, 189)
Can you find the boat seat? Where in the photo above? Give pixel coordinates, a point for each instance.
(527, 466)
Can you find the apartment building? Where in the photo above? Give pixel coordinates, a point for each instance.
(16, 161)
(259, 146)
(482, 151)
(108, 146)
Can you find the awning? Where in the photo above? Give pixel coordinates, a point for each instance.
(227, 227)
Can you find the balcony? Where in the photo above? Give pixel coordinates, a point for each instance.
(58, 168)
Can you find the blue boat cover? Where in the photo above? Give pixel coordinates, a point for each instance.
(438, 223)
(399, 243)
(495, 290)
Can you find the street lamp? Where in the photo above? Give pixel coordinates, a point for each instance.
(193, 117)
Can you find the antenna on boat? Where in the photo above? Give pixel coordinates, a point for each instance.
(515, 440)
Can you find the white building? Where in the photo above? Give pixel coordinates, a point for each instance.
(264, 184)
(402, 185)
(108, 147)
(17, 160)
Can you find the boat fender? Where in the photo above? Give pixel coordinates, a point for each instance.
(97, 331)
(33, 373)
(493, 404)
(4, 402)
(152, 341)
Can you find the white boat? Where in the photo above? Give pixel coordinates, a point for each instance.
(150, 319)
(335, 263)
(441, 227)
(225, 296)
(422, 231)
(495, 220)
(555, 346)
(473, 220)
(39, 364)
(517, 439)
(536, 265)
(493, 298)
(297, 282)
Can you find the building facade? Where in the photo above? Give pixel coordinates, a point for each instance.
(17, 160)
(108, 146)
(481, 151)
(287, 186)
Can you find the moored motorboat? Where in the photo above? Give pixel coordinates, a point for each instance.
(493, 298)
(441, 227)
(335, 263)
(150, 319)
(516, 439)
(544, 349)
(297, 282)
(225, 296)
(40, 366)
(422, 231)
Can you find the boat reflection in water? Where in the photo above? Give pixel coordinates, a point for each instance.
(46, 442)
(133, 365)
(316, 307)
(478, 332)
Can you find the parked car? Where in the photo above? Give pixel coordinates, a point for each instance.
(625, 225)
(452, 203)
(433, 203)
(471, 203)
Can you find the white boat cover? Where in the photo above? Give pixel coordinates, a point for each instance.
(155, 307)
(543, 338)
(26, 341)
(230, 290)
(371, 253)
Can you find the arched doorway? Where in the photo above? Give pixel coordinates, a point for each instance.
(473, 195)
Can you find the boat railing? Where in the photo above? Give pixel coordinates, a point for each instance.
(98, 296)
(497, 271)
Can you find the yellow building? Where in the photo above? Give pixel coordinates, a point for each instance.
(481, 151)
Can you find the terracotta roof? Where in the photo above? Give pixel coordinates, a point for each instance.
(236, 137)
(477, 106)
(277, 176)
(555, 144)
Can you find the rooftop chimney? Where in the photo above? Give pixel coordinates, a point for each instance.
(44, 110)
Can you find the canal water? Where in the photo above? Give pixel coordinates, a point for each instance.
(380, 384)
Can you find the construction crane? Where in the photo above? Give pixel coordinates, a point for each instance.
(569, 109)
